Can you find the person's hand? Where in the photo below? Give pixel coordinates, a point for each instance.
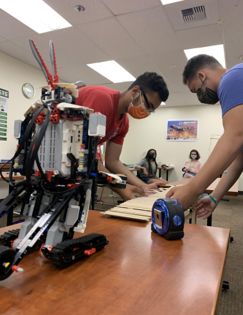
(158, 181)
(185, 194)
(144, 170)
(130, 192)
(204, 207)
(148, 189)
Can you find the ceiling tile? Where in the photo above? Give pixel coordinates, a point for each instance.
(150, 29)
(121, 7)
(94, 10)
(112, 38)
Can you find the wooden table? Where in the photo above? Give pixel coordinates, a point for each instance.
(138, 273)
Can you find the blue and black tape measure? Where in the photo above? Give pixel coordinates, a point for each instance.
(168, 218)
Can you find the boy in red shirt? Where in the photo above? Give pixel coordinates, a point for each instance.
(142, 97)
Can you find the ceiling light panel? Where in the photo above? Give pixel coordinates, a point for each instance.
(35, 14)
(217, 51)
(164, 2)
(112, 71)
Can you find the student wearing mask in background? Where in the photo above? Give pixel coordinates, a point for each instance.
(141, 99)
(148, 169)
(206, 77)
(193, 165)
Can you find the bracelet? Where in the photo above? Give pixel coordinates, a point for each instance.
(213, 199)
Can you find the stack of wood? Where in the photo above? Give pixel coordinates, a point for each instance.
(138, 208)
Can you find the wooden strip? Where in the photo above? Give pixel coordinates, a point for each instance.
(145, 203)
(131, 211)
(127, 216)
(138, 207)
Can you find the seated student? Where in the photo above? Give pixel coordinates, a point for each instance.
(148, 168)
(192, 166)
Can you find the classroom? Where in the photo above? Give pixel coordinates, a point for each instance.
(121, 157)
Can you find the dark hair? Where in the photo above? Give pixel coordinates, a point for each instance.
(148, 158)
(196, 63)
(197, 153)
(151, 81)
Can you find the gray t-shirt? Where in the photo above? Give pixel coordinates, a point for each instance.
(151, 171)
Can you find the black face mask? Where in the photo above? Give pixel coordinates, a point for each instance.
(151, 156)
(207, 96)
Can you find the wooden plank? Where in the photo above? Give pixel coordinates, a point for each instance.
(141, 206)
(136, 206)
(127, 216)
(131, 211)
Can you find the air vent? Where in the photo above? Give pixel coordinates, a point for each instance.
(194, 14)
(183, 16)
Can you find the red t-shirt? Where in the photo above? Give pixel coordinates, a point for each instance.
(105, 101)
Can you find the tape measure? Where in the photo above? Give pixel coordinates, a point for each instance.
(168, 218)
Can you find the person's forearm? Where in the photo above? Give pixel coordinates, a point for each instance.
(222, 156)
(101, 167)
(228, 179)
(118, 168)
(126, 193)
(145, 171)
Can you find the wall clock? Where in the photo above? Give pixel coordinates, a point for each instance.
(28, 90)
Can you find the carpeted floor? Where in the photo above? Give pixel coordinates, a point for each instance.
(228, 214)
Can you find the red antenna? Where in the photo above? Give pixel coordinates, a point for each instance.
(53, 61)
(52, 80)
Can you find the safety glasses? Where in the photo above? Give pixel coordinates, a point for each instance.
(149, 106)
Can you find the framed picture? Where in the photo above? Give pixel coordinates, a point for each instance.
(182, 130)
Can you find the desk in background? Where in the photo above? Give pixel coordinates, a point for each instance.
(5, 166)
(134, 169)
(5, 190)
(233, 191)
(16, 177)
(166, 169)
(138, 272)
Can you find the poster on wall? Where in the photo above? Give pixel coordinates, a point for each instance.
(4, 96)
(182, 130)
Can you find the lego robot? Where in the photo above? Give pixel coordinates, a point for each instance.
(57, 155)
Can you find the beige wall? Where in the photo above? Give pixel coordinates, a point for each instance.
(151, 133)
(13, 74)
